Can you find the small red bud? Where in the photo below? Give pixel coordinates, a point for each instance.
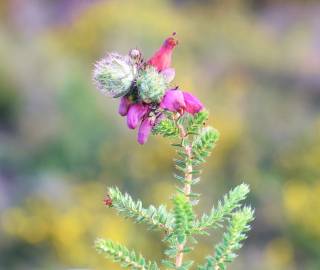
(108, 201)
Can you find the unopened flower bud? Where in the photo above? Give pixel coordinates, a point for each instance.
(151, 85)
(135, 54)
(114, 75)
(108, 201)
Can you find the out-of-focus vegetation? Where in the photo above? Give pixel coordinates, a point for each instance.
(255, 65)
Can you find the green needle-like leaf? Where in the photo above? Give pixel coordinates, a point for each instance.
(127, 259)
(197, 122)
(204, 143)
(155, 218)
(166, 128)
(223, 210)
(232, 240)
(184, 217)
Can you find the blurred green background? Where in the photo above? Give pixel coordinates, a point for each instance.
(254, 64)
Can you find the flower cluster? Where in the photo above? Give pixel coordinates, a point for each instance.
(149, 102)
(144, 87)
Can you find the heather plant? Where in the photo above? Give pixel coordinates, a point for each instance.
(150, 103)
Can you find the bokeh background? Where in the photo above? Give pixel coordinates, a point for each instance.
(254, 64)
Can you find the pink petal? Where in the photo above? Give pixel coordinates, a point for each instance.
(168, 74)
(145, 130)
(135, 114)
(193, 104)
(124, 106)
(173, 101)
(161, 59)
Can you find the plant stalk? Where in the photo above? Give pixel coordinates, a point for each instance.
(187, 185)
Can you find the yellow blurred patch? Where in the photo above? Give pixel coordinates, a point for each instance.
(279, 254)
(300, 201)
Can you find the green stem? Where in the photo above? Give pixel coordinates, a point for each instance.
(187, 185)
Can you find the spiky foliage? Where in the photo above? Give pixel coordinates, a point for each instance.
(183, 216)
(166, 128)
(194, 142)
(231, 241)
(126, 258)
(155, 218)
(197, 121)
(151, 85)
(224, 208)
(203, 143)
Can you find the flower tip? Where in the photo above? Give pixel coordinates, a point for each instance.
(176, 40)
(141, 141)
(145, 130)
(171, 42)
(135, 113)
(124, 106)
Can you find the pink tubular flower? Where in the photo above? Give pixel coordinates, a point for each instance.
(162, 58)
(124, 106)
(193, 104)
(135, 113)
(173, 101)
(145, 130)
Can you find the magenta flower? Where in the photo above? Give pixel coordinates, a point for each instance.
(145, 130)
(173, 101)
(193, 104)
(124, 106)
(177, 101)
(135, 113)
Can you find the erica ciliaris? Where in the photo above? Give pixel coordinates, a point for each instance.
(152, 104)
